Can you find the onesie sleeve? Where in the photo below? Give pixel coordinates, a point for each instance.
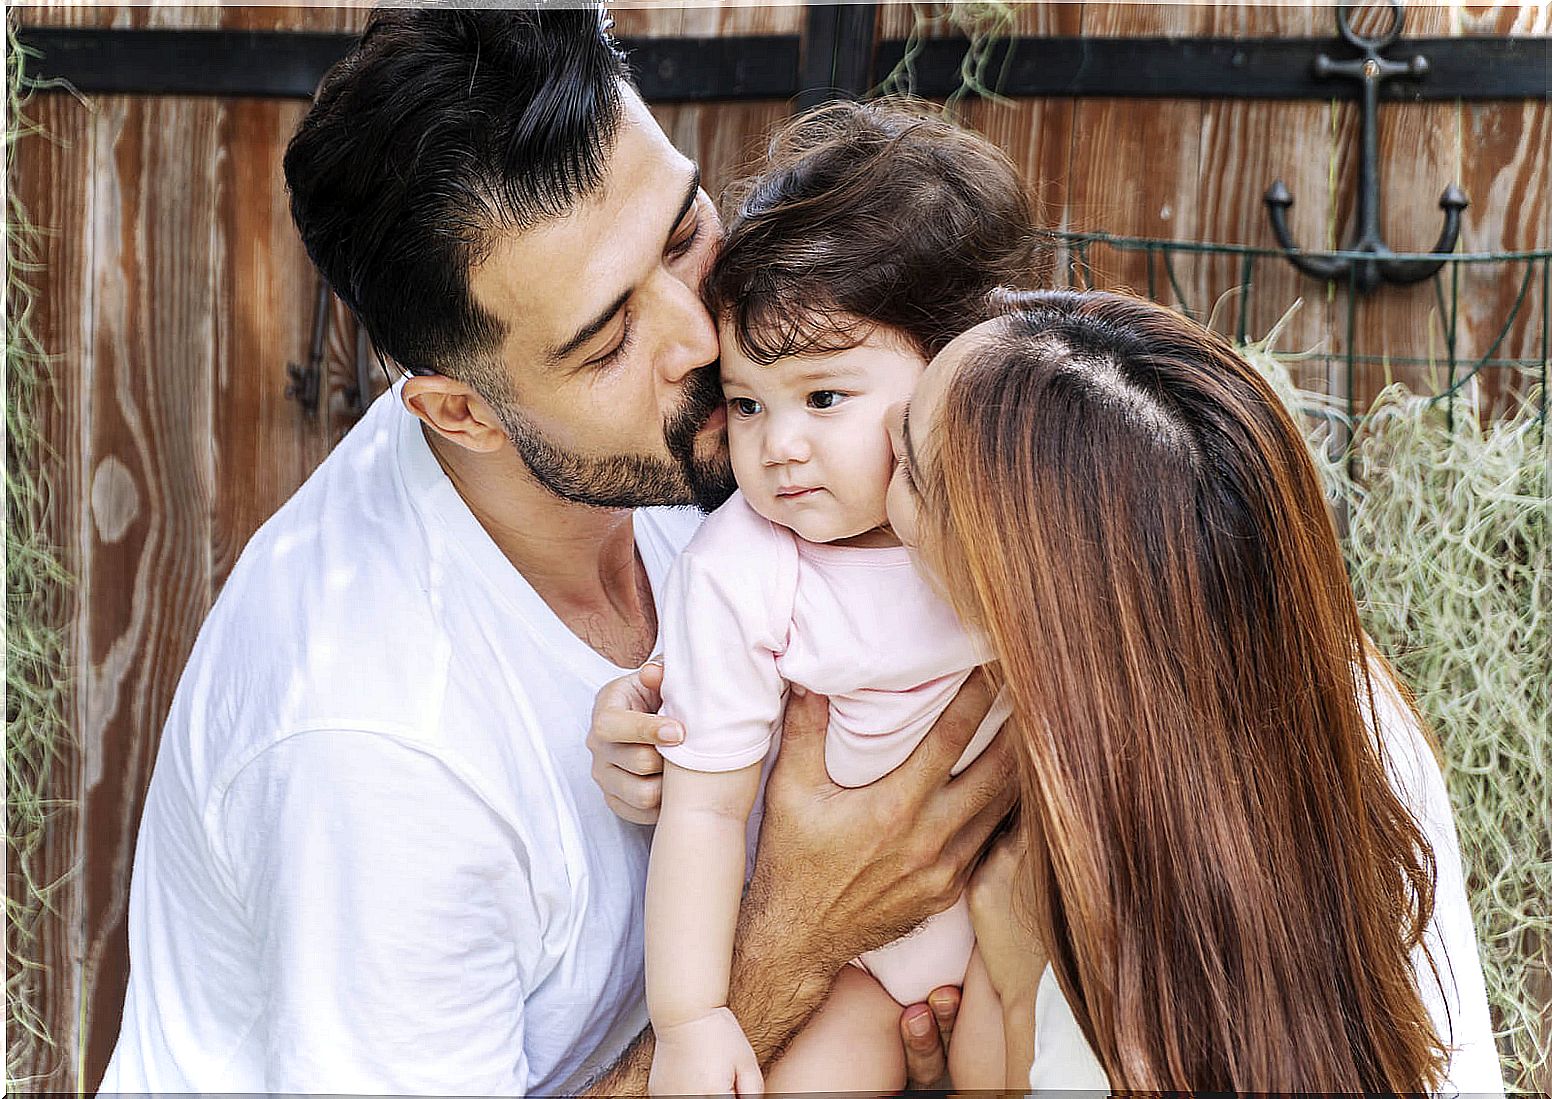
(394, 917)
(726, 615)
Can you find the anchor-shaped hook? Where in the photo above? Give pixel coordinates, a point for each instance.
(1371, 69)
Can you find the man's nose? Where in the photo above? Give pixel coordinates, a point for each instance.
(691, 341)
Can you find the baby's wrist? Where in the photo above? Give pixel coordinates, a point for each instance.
(666, 1024)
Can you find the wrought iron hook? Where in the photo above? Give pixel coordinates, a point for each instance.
(1367, 273)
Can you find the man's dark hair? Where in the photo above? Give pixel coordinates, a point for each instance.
(882, 213)
(440, 130)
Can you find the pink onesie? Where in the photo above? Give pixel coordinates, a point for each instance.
(751, 607)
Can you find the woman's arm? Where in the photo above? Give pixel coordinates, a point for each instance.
(1013, 956)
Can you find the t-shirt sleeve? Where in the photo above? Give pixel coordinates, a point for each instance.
(1457, 999)
(726, 614)
(391, 910)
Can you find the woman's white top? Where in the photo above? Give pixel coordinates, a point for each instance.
(1064, 1060)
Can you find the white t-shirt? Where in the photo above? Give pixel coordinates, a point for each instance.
(373, 858)
(1065, 1061)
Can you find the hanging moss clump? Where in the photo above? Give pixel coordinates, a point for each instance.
(35, 682)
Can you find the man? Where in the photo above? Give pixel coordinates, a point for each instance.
(373, 858)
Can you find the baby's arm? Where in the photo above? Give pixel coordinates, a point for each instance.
(694, 883)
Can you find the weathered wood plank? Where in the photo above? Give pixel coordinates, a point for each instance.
(1245, 146)
(1135, 163)
(148, 471)
(343, 17)
(1505, 163)
(264, 444)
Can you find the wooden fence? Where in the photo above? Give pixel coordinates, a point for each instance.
(176, 292)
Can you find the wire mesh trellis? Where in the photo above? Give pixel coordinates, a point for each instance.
(1076, 264)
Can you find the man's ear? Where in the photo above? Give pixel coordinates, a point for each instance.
(454, 411)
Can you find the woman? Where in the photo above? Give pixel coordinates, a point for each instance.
(1240, 881)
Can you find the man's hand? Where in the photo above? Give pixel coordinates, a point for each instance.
(623, 738)
(858, 868)
(841, 871)
(925, 1030)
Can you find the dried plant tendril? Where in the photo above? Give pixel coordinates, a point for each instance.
(34, 628)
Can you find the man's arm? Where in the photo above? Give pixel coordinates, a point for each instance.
(381, 893)
(841, 871)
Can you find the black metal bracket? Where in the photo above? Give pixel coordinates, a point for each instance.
(838, 51)
(307, 381)
(1368, 273)
(840, 56)
(289, 64)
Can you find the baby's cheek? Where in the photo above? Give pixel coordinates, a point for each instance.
(743, 446)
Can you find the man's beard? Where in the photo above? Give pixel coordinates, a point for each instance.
(631, 480)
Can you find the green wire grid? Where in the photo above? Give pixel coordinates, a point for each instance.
(1075, 263)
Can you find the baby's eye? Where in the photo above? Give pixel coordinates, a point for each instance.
(744, 406)
(825, 398)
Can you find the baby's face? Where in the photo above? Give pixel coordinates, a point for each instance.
(808, 434)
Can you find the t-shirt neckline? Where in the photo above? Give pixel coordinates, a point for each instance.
(443, 510)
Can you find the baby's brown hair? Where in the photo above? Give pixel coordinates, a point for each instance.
(868, 215)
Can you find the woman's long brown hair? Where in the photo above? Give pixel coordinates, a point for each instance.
(1228, 887)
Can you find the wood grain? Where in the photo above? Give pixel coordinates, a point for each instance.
(150, 393)
(1245, 145)
(176, 291)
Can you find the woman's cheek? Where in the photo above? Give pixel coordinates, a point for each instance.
(901, 509)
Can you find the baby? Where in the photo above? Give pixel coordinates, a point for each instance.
(871, 239)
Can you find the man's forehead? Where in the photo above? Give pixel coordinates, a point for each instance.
(545, 281)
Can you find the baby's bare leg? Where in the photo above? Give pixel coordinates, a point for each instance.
(977, 1059)
(851, 1044)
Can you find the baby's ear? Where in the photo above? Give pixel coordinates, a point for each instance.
(455, 411)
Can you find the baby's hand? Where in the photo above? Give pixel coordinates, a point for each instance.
(623, 739)
(705, 1056)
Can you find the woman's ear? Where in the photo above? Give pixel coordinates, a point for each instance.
(454, 411)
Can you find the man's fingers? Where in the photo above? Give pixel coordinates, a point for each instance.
(802, 734)
(944, 1003)
(637, 759)
(952, 732)
(994, 770)
(627, 813)
(637, 692)
(925, 1062)
(965, 848)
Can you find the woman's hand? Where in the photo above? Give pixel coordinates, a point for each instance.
(624, 737)
(1013, 954)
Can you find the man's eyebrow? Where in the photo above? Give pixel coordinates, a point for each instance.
(690, 194)
(597, 324)
(591, 328)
